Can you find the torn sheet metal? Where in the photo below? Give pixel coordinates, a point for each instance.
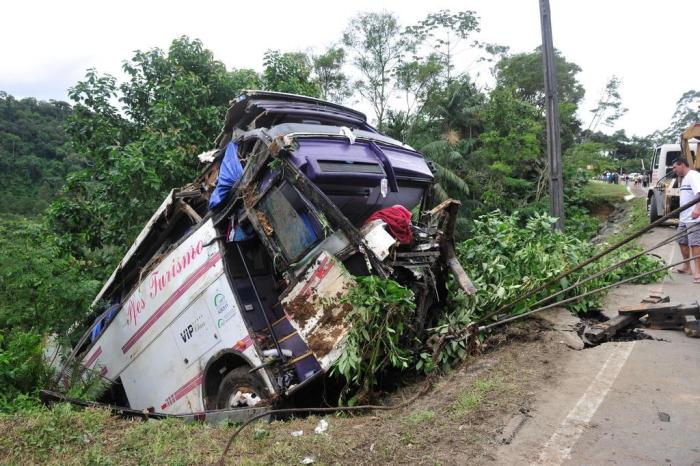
(316, 310)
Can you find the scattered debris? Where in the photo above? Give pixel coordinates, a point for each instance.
(297, 433)
(655, 298)
(321, 427)
(691, 327)
(307, 460)
(659, 313)
(664, 417)
(511, 429)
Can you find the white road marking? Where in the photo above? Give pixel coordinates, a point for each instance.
(558, 448)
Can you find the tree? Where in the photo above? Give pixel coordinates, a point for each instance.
(523, 72)
(377, 45)
(333, 84)
(687, 112)
(442, 33)
(457, 108)
(609, 108)
(33, 161)
(289, 72)
(512, 151)
(43, 290)
(169, 109)
(245, 78)
(417, 80)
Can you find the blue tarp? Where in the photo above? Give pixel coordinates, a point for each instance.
(97, 330)
(231, 170)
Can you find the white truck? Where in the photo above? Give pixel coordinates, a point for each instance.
(664, 194)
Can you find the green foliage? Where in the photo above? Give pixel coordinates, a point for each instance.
(42, 291)
(506, 259)
(420, 417)
(609, 108)
(687, 112)
(589, 158)
(172, 105)
(377, 45)
(333, 84)
(523, 73)
(289, 72)
(380, 309)
(511, 150)
(457, 106)
(22, 369)
(470, 398)
(33, 161)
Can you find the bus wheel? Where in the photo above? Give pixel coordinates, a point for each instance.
(239, 389)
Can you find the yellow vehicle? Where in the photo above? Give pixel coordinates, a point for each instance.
(664, 195)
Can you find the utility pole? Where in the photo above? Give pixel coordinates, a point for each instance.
(556, 189)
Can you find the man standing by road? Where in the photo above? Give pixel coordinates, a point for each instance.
(689, 218)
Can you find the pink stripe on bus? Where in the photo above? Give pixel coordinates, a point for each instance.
(182, 391)
(191, 280)
(93, 357)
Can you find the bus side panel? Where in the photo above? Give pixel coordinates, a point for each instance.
(181, 276)
(231, 326)
(168, 375)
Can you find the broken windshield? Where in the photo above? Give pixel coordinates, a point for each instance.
(288, 218)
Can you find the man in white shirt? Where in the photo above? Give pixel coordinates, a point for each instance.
(689, 218)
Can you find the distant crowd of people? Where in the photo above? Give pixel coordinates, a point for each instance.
(639, 179)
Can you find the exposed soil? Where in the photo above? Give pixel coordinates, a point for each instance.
(301, 308)
(329, 328)
(322, 343)
(601, 211)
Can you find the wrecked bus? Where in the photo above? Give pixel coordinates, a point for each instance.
(231, 295)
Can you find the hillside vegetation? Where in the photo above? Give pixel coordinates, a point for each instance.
(33, 160)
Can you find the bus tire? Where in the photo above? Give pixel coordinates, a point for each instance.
(653, 211)
(240, 389)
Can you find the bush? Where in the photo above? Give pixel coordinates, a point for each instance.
(42, 291)
(506, 260)
(379, 309)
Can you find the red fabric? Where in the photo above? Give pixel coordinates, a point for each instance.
(398, 219)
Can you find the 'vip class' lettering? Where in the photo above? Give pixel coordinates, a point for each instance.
(187, 333)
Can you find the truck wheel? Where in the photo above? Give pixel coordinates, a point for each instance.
(653, 211)
(239, 389)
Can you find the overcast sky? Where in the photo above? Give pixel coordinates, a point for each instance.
(45, 47)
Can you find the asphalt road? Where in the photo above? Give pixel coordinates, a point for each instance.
(625, 403)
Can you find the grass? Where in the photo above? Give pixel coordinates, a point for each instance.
(419, 417)
(452, 424)
(598, 192)
(637, 218)
(471, 397)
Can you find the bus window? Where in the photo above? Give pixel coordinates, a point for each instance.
(295, 228)
(655, 162)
